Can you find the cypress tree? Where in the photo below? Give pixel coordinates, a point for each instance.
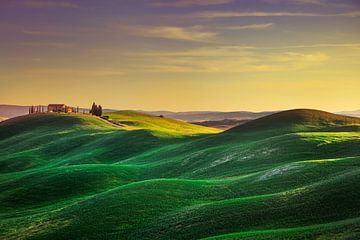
(99, 112)
(93, 109)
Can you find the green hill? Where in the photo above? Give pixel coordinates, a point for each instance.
(159, 126)
(291, 175)
(298, 120)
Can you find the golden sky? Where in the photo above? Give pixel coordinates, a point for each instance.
(182, 55)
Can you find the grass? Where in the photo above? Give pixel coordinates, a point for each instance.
(159, 126)
(293, 175)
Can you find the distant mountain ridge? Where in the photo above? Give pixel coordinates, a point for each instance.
(355, 113)
(10, 111)
(222, 124)
(200, 116)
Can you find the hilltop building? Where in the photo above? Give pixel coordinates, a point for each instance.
(59, 108)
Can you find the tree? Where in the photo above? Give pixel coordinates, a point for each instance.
(93, 109)
(99, 111)
(96, 110)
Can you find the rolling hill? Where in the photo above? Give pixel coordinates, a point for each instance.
(355, 113)
(201, 116)
(290, 175)
(10, 111)
(222, 124)
(157, 125)
(210, 118)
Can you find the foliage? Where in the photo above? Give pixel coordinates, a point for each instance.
(96, 110)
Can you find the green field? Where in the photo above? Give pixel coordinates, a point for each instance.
(291, 175)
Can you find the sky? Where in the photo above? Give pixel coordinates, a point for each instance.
(181, 55)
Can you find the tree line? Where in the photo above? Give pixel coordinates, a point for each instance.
(37, 109)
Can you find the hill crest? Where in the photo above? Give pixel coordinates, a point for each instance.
(121, 120)
(297, 117)
(158, 125)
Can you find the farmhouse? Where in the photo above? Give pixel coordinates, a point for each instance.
(59, 108)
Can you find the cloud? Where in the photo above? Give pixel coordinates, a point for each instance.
(229, 59)
(320, 45)
(323, 3)
(314, 2)
(225, 14)
(46, 44)
(188, 3)
(316, 57)
(40, 32)
(194, 33)
(47, 4)
(97, 72)
(251, 26)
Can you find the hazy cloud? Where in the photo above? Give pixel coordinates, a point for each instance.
(46, 44)
(308, 1)
(324, 3)
(250, 26)
(194, 33)
(47, 4)
(188, 3)
(316, 57)
(230, 59)
(224, 14)
(315, 2)
(320, 45)
(75, 72)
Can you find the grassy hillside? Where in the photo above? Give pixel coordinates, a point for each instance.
(292, 175)
(222, 124)
(299, 120)
(200, 116)
(159, 126)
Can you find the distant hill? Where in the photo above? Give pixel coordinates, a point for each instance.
(355, 113)
(222, 124)
(200, 116)
(298, 120)
(10, 111)
(209, 117)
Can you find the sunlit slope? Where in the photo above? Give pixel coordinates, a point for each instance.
(286, 179)
(159, 126)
